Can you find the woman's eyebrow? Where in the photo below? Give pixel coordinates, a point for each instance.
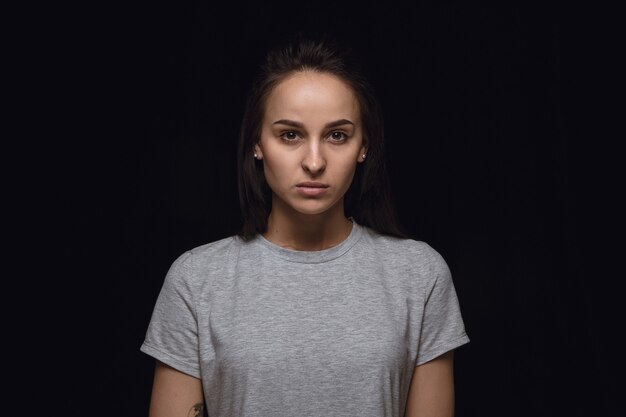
(339, 123)
(293, 123)
(288, 123)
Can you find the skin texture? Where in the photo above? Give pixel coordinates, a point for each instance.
(431, 393)
(311, 132)
(175, 393)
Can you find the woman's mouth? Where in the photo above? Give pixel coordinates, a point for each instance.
(312, 188)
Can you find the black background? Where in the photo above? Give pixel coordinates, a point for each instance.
(488, 109)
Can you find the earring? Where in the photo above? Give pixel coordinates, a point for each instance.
(363, 156)
(255, 155)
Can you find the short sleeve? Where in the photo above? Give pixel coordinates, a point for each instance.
(172, 335)
(442, 327)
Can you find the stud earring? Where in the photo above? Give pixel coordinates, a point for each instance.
(255, 155)
(363, 156)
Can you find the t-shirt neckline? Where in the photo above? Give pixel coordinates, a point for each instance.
(312, 257)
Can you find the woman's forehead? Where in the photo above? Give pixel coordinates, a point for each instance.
(312, 95)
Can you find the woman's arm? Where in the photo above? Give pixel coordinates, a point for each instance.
(175, 393)
(431, 393)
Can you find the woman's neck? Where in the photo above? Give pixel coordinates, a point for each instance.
(307, 232)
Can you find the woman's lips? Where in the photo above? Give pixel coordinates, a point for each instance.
(311, 188)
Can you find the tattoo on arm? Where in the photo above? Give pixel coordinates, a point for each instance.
(196, 410)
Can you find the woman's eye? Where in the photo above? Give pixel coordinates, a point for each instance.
(289, 136)
(338, 136)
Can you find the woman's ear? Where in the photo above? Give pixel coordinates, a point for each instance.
(362, 154)
(258, 153)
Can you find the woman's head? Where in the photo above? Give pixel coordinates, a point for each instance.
(294, 79)
(310, 143)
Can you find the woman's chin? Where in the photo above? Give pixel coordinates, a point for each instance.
(311, 211)
(312, 208)
(306, 206)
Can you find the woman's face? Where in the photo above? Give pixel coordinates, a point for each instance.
(311, 141)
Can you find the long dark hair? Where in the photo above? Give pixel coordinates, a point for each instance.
(368, 199)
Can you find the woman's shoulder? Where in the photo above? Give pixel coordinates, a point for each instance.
(210, 255)
(217, 247)
(403, 249)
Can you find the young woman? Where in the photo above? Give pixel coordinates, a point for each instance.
(320, 306)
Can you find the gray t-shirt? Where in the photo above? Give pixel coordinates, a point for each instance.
(278, 332)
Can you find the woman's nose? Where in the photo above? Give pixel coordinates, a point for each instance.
(313, 161)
